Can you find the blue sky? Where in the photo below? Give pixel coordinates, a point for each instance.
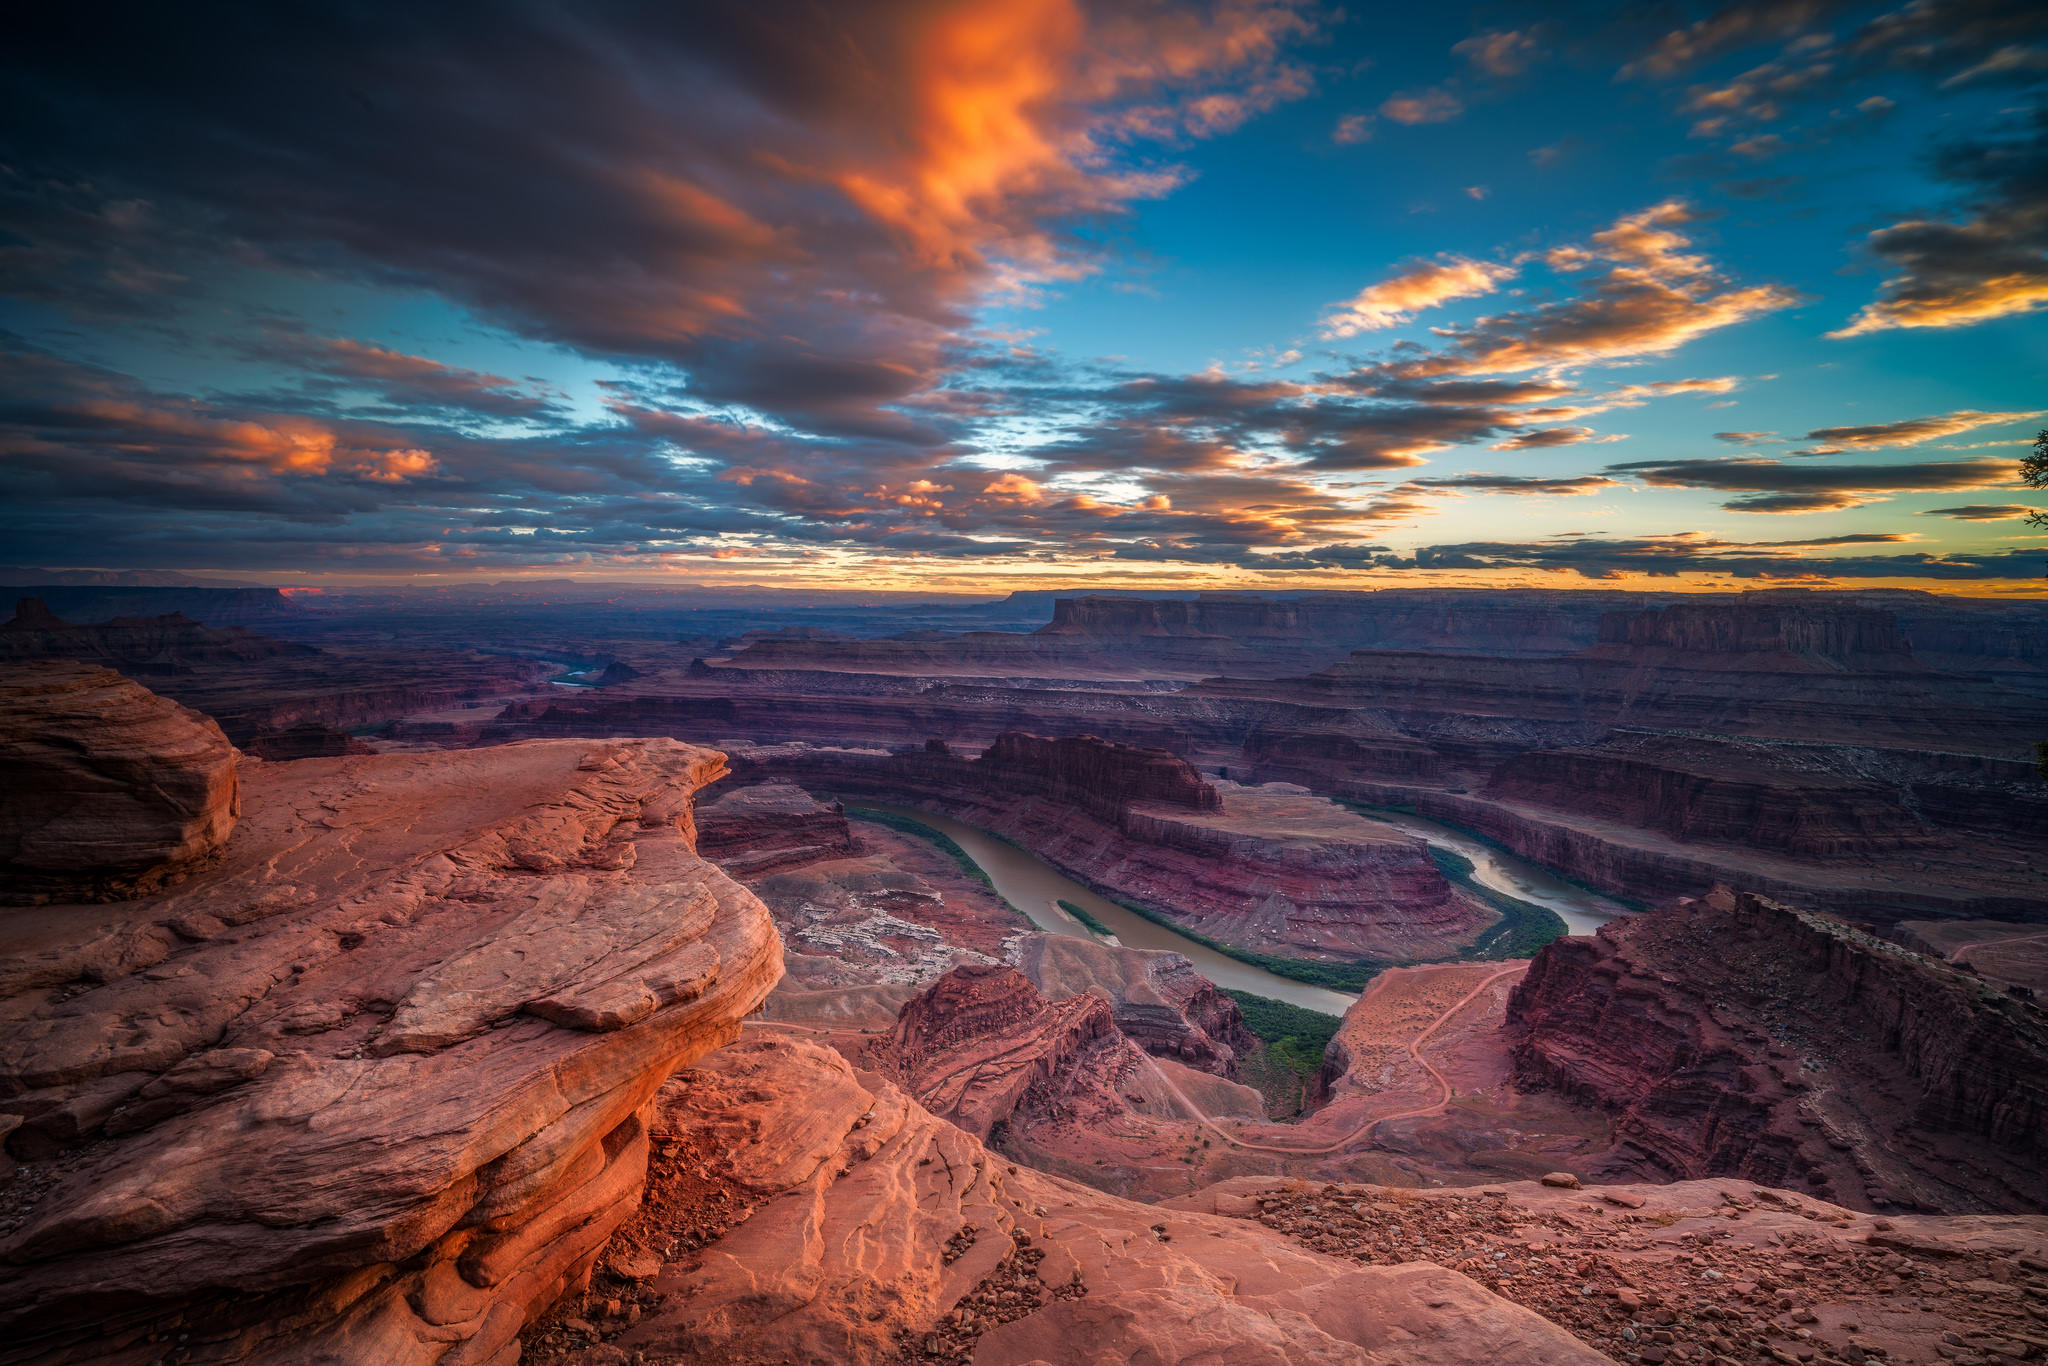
(1248, 294)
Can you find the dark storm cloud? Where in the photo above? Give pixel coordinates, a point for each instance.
(796, 203)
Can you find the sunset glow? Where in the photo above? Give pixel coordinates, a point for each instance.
(967, 297)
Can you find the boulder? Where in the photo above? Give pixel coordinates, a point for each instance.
(375, 1087)
(106, 789)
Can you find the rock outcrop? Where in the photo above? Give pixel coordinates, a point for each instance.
(106, 789)
(142, 647)
(1271, 867)
(1100, 776)
(1158, 999)
(860, 1229)
(1834, 638)
(1735, 1036)
(769, 827)
(309, 741)
(981, 1041)
(375, 1087)
(1714, 1271)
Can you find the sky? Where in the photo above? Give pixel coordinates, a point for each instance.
(1022, 293)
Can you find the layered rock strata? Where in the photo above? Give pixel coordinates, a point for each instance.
(1272, 867)
(106, 789)
(1158, 999)
(1736, 1036)
(864, 1230)
(376, 1086)
(981, 1041)
(769, 827)
(309, 741)
(143, 647)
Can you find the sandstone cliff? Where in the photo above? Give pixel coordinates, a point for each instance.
(1100, 776)
(981, 1042)
(106, 789)
(138, 646)
(1736, 1036)
(376, 1086)
(1830, 638)
(769, 827)
(856, 1228)
(1158, 999)
(1272, 868)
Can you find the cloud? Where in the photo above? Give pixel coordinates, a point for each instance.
(1745, 438)
(1436, 105)
(1654, 296)
(800, 215)
(1352, 128)
(1908, 432)
(1418, 286)
(1692, 553)
(1731, 26)
(1981, 512)
(407, 382)
(1773, 486)
(1546, 437)
(1523, 484)
(1500, 52)
(1991, 264)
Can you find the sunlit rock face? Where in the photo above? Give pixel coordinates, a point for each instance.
(862, 1229)
(375, 1085)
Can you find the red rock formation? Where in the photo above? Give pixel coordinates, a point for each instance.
(309, 741)
(1703, 792)
(106, 789)
(1272, 868)
(980, 1041)
(1694, 1271)
(1100, 775)
(769, 827)
(862, 1231)
(1159, 1001)
(139, 646)
(376, 1086)
(1825, 638)
(1736, 1036)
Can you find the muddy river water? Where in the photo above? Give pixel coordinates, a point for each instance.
(1035, 887)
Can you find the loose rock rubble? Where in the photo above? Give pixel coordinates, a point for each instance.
(1718, 1272)
(1005, 1295)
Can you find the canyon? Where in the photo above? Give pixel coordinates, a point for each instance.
(1736, 1036)
(1268, 867)
(573, 980)
(1644, 745)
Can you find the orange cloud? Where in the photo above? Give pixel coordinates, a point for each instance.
(1428, 106)
(1909, 432)
(1010, 105)
(1654, 297)
(1423, 285)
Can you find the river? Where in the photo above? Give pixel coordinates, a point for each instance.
(1583, 911)
(1035, 887)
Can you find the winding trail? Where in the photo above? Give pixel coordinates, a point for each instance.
(1365, 1129)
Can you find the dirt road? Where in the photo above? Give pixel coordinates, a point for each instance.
(1364, 1130)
